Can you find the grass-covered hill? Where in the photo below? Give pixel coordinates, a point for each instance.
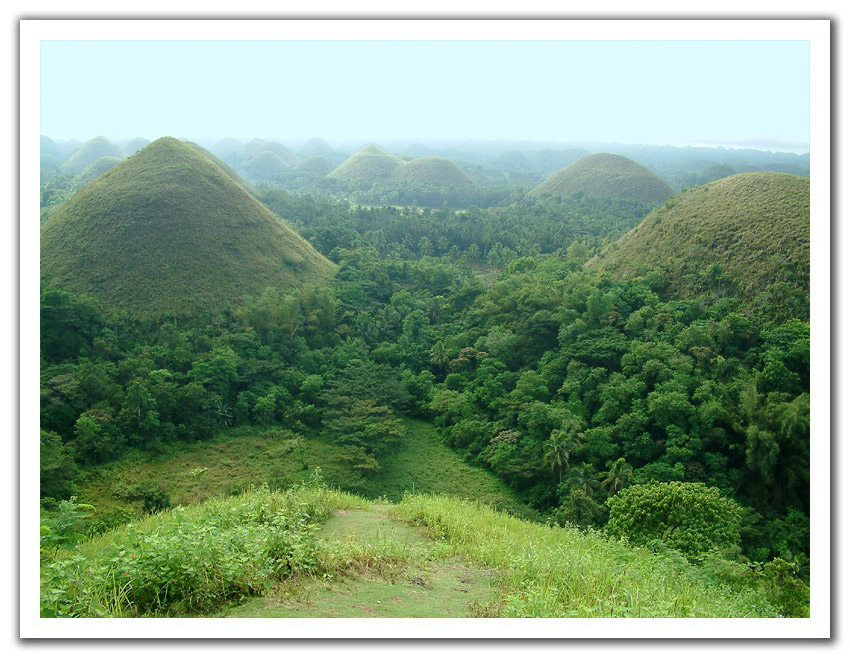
(92, 150)
(435, 170)
(369, 165)
(372, 164)
(95, 169)
(754, 227)
(608, 176)
(227, 149)
(49, 147)
(265, 165)
(316, 165)
(168, 232)
(136, 144)
(256, 146)
(315, 146)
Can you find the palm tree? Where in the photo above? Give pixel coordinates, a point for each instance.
(584, 478)
(561, 445)
(439, 355)
(618, 476)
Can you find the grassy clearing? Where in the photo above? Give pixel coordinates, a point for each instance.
(239, 458)
(557, 572)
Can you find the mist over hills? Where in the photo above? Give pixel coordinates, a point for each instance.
(488, 162)
(168, 232)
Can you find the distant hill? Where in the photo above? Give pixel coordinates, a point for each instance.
(369, 165)
(552, 160)
(372, 164)
(315, 146)
(265, 165)
(92, 150)
(256, 146)
(227, 149)
(316, 165)
(95, 169)
(754, 227)
(168, 233)
(605, 175)
(513, 159)
(137, 144)
(49, 147)
(433, 169)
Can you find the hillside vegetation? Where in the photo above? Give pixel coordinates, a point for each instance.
(607, 176)
(745, 235)
(168, 232)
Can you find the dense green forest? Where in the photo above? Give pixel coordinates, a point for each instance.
(599, 400)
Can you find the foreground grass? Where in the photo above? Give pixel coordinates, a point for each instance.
(191, 560)
(563, 572)
(313, 551)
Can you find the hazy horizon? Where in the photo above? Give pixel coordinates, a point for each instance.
(441, 142)
(733, 94)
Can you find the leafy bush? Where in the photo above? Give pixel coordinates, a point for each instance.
(687, 516)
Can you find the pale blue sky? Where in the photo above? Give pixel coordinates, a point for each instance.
(734, 93)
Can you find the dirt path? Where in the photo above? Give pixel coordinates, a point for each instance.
(426, 585)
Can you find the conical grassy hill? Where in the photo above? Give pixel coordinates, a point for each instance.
(264, 166)
(88, 153)
(369, 165)
(372, 164)
(168, 233)
(754, 226)
(608, 176)
(256, 146)
(433, 169)
(317, 165)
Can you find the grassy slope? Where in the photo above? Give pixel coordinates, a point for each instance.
(755, 226)
(241, 457)
(607, 176)
(168, 232)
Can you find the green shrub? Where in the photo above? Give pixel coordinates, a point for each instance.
(686, 516)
